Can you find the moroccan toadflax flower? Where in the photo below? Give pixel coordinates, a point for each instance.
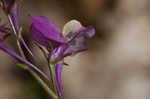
(59, 44)
(71, 40)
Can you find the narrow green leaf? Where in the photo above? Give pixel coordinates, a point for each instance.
(22, 66)
(59, 58)
(20, 31)
(50, 48)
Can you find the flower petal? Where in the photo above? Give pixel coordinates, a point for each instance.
(77, 35)
(13, 14)
(88, 31)
(58, 70)
(42, 30)
(71, 27)
(41, 39)
(4, 48)
(78, 44)
(2, 27)
(58, 67)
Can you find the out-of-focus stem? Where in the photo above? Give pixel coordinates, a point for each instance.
(15, 32)
(12, 25)
(53, 79)
(52, 73)
(46, 88)
(40, 81)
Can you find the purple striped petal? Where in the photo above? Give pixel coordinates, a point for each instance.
(14, 16)
(2, 27)
(43, 30)
(58, 70)
(4, 48)
(58, 67)
(77, 35)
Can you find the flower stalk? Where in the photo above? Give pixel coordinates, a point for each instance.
(53, 78)
(40, 81)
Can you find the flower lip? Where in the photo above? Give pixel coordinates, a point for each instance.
(71, 27)
(87, 32)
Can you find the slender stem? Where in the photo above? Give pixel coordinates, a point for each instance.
(15, 32)
(46, 88)
(12, 25)
(52, 73)
(20, 49)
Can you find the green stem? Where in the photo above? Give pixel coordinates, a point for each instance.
(52, 73)
(15, 32)
(45, 87)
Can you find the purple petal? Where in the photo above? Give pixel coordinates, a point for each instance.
(58, 70)
(88, 31)
(14, 15)
(58, 67)
(78, 41)
(79, 44)
(4, 48)
(2, 27)
(42, 30)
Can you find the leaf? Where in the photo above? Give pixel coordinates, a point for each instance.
(59, 58)
(20, 31)
(23, 66)
(50, 48)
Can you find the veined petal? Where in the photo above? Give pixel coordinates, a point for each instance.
(71, 27)
(78, 44)
(42, 30)
(2, 27)
(41, 39)
(13, 13)
(58, 70)
(77, 35)
(4, 48)
(58, 66)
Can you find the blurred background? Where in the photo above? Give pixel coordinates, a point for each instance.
(117, 64)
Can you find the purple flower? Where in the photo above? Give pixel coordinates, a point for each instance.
(72, 39)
